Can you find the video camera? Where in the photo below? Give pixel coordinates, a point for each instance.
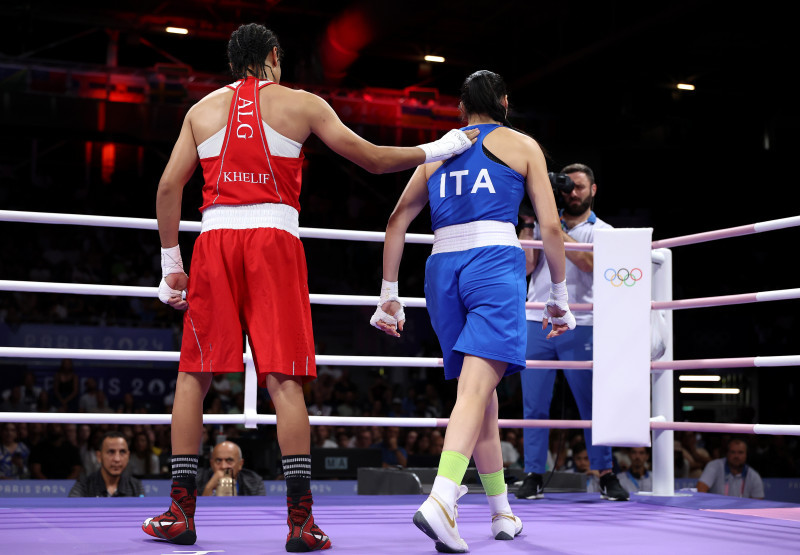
(562, 185)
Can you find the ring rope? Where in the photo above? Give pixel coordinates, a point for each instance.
(770, 225)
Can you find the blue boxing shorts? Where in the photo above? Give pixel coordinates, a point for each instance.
(476, 302)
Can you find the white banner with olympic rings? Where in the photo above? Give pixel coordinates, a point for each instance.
(621, 367)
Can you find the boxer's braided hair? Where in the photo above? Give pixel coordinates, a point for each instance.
(249, 46)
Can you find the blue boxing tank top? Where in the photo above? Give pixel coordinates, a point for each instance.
(471, 187)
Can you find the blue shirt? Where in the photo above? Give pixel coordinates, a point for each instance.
(472, 187)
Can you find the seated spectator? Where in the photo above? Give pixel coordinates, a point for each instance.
(88, 439)
(14, 402)
(437, 442)
(410, 441)
(30, 391)
(55, 458)
(128, 405)
(731, 475)
(89, 402)
(227, 461)
(509, 449)
(696, 457)
(13, 454)
(143, 460)
(637, 477)
(320, 407)
(65, 387)
(581, 465)
(322, 437)
(364, 439)
(392, 454)
(113, 479)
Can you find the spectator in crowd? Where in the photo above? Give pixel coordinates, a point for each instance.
(409, 442)
(222, 387)
(392, 453)
(696, 457)
(13, 454)
(88, 439)
(322, 437)
(128, 405)
(143, 461)
(227, 461)
(65, 387)
(14, 402)
(509, 449)
(364, 439)
(43, 403)
(113, 479)
(320, 407)
(437, 442)
(30, 391)
(349, 405)
(581, 465)
(637, 477)
(731, 475)
(55, 458)
(89, 401)
(344, 439)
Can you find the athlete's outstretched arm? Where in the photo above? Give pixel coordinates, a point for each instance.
(325, 124)
(412, 201)
(538, 186)
(180, 167)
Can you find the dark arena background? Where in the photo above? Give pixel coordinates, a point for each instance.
(92, 97)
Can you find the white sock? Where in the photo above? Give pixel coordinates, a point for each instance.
(499, 503)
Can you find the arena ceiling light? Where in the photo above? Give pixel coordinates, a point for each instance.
(685, 87)
(699, 378)
(178, 30)
(712, 390)
(438, 59)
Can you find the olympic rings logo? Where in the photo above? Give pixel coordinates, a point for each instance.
(623, 276)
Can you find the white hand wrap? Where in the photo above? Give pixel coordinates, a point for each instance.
(388, 293)
(171, 261)
(558, 299)
(165, 292)
(453, 142)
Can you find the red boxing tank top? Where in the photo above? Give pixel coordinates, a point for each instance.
(245, 172)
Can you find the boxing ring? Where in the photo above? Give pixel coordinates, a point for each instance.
(658, 523)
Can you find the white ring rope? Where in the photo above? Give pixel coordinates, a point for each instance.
(760, 227)
(145, 292)
(305, 232)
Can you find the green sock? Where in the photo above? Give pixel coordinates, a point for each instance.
(494, 483)
(453, 465)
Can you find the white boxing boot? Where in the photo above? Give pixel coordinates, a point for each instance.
(505, 526)
(437, 516)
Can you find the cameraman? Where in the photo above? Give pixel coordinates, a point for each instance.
(578, 223)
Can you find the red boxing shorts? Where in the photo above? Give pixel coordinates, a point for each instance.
(253, 281)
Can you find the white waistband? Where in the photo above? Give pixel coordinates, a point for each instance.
(482, 233)
(251, 216)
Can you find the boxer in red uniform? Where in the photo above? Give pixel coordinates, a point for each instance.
(248, 265)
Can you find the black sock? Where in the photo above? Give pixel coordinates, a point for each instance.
(184, 470)
(297, 472)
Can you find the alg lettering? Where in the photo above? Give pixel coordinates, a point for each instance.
(483, 181)
(243, 130)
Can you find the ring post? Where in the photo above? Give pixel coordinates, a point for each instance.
(662, 404)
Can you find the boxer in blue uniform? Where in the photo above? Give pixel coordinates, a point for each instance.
(475, 292)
